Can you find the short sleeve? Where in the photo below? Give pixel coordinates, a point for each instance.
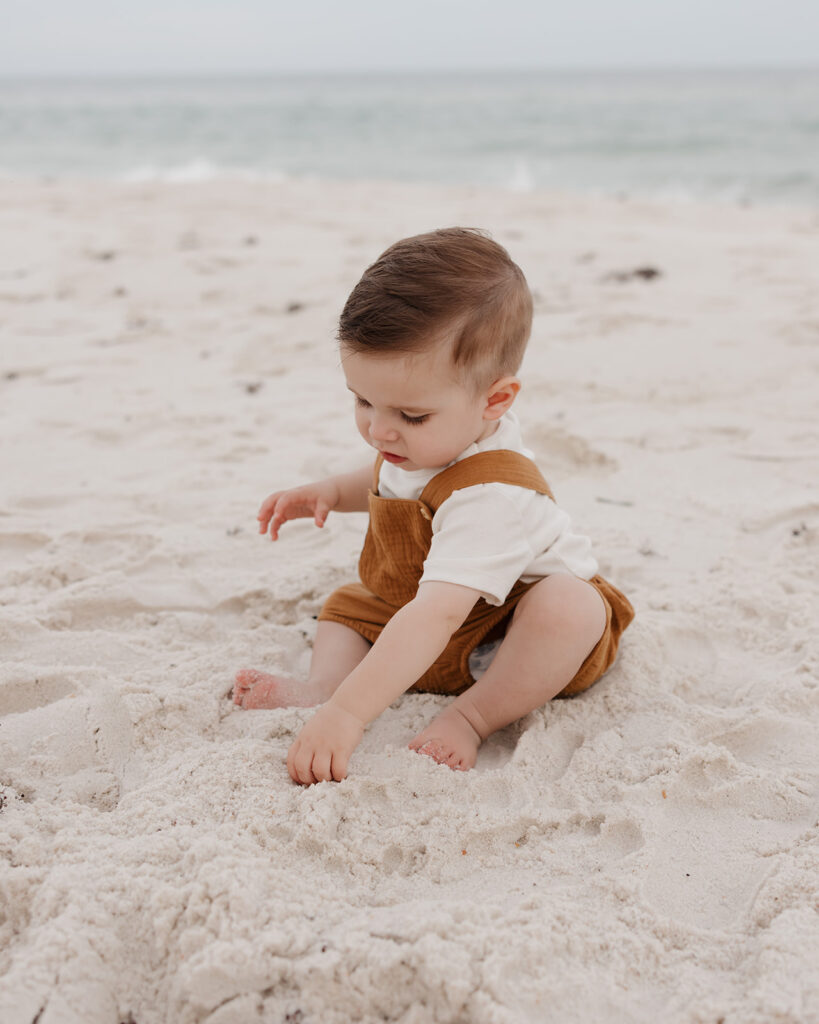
(480, 541)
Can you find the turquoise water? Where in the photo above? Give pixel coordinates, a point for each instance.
(744, 136)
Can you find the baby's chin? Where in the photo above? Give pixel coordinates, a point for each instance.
(414, 467)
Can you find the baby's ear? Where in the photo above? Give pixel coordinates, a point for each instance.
(500, 397)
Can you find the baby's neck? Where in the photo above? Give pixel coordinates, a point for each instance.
(488, 431)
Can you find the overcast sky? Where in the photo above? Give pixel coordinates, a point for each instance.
(188, 36)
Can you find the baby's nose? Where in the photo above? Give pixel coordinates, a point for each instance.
(381, 429)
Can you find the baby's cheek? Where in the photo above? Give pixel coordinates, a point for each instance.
(438, 453)
(363, 426)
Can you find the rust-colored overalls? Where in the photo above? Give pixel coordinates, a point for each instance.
(392, 561)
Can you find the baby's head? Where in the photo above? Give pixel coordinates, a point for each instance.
(431, 339)
(454, 289)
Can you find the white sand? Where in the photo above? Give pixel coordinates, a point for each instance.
(646, 852)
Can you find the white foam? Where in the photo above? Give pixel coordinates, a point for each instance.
(195, 171)
(522, 179)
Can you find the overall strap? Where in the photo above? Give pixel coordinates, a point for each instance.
(496, 467)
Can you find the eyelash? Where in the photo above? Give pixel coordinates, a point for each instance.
(414, 421)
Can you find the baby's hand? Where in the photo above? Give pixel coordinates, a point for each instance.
(315, 500)
(323, 747)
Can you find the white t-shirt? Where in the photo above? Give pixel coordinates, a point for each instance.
(489, 536)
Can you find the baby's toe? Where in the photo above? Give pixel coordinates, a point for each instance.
(419, 741)
(242, 682)
(435, 750)
(453, 759)
(246, 677)
(257, 697)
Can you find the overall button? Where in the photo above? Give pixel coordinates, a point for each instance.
(425, 512)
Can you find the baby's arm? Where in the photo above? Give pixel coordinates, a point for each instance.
(346, 492)
(410, 642)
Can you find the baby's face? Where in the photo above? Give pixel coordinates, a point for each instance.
(413, 409)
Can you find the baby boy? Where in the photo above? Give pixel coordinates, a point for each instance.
(465, 543)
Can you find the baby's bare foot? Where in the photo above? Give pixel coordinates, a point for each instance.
(449, 739)
(253, 690)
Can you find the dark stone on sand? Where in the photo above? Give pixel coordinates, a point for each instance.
(638, 273)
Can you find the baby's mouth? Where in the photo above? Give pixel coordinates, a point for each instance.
(393, 458)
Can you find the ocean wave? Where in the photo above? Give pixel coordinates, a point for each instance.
(728, 137)
(522, 178)
(196, 171)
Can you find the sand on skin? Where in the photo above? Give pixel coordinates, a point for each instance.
(647, 851)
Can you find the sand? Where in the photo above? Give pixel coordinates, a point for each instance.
(647, 851)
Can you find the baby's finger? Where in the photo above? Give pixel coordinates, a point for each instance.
(321, 766)
(339, 766)
(321, 513)
(267, 506)
(278, 520)
(302, 760)
(292, 755)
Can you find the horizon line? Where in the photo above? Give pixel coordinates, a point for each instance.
(411, 72)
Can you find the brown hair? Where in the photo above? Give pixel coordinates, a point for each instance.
(452, 280)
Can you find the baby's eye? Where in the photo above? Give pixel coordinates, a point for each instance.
(414, 420)
(360, 402)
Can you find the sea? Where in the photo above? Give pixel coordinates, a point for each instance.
(745, 136)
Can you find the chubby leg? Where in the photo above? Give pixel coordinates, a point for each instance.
(555, 627)
(337, 650)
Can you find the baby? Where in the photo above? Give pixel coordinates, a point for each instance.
(465, 543)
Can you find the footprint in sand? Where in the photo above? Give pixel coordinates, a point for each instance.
(15, 548)
(715, 830)
(563, 453)
(767, 740)
(57, 746)
(795, 527)
(20, 695)
(498, 749)
(620, 837)
(688, 656)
